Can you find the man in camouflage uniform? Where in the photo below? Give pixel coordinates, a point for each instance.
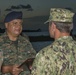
(59, 58)
(16, 49)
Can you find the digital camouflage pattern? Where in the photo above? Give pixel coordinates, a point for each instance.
(16, 52)
(1, 58)
(56, 59)
(60, 15)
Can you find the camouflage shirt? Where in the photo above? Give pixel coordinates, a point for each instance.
(16, 52)
(56, 59)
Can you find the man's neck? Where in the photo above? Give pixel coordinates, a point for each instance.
(12, 37)
(61, 35)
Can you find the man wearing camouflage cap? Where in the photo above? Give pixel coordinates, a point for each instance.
(59, 58)
(16, 48)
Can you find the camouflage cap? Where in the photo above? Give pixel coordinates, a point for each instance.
(60, 15)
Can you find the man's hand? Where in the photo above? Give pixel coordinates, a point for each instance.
(16, 70)
(13, 69)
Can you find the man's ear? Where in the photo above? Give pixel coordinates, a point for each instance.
(53, 26)
(6, 25)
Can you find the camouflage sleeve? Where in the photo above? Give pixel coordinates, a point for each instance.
(42, 64)
(37, 65)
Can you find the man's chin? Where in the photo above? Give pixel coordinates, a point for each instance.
(17, 34)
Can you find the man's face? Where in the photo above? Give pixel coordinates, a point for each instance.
(14, 27)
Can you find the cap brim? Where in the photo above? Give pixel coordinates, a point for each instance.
(47, 21)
